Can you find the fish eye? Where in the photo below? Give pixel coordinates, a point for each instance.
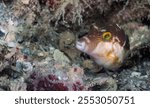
(107, 36)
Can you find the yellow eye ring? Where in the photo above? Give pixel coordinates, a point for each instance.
(107, 36)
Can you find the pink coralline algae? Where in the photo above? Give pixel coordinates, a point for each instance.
(51, 82)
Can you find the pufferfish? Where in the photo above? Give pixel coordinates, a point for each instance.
(107, 45)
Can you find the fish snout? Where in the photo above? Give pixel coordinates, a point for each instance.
(81, 45)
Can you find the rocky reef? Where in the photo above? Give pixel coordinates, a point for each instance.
(37, 45)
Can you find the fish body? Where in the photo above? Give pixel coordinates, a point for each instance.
(107, 45)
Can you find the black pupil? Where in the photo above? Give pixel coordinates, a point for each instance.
(107, 36)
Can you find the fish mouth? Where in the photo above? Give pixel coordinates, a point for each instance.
(80, 45)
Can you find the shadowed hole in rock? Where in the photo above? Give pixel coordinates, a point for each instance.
(10, 73)
(98, 87)
(1, 33)
(82, 34)
(85, 56)
(6, 88)
(146, 21)
(142, 54)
